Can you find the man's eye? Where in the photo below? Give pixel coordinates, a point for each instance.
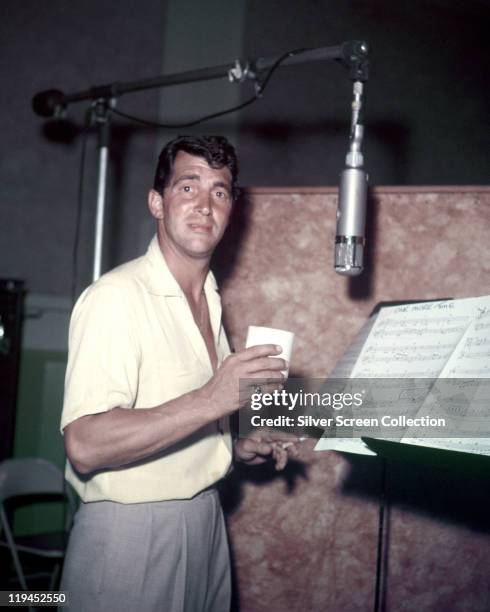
(221, 194)
(187, 188)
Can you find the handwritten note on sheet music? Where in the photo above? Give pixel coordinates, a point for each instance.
(447, 339)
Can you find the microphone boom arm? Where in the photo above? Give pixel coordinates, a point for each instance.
(351, 54)
(53, 103)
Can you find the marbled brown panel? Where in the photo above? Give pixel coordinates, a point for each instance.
(306, 540)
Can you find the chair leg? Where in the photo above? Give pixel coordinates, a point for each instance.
(13, 549)
(54, 576)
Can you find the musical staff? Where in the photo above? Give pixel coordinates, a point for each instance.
(448, 341)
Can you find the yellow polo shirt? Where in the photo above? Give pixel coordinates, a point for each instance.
(133, 343)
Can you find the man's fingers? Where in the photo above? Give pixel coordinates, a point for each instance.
(261, 365)
(285, 447)
(274, 435)
(269, 386)
(268, 444)
(262, 385)
(261, 350)
(270, 381)
(257, 447)
(280, 456)
(291, 449)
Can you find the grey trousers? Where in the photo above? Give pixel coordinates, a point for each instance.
(169, 556)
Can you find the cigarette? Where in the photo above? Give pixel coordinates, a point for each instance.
(288, 444)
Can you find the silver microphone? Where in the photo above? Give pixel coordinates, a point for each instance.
(351, 210)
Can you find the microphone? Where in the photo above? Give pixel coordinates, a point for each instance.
(48, 103)
(351, 210)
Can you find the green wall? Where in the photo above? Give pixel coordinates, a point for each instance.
(40, 399)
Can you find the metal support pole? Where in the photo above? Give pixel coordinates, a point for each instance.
(102, 119)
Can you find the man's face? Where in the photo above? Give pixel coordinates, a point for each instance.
(194, 210)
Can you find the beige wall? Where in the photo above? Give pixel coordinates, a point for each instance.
(306, 540)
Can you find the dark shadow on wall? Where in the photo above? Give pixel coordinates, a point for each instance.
(452, 491)
(231, 495)
(231, 489)
(123, 139)
(61, 131)
(448, 487)
(226, 255)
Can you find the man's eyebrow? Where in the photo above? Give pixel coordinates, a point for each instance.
(187, 177)
(222, 184)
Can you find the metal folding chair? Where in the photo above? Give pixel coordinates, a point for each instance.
(40, 480)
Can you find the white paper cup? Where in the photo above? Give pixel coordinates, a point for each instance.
(269, 335)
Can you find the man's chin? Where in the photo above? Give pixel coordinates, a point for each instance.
(200, 251)
(202, 247)
(198, 247)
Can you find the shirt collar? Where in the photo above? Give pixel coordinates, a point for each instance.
(161, 279)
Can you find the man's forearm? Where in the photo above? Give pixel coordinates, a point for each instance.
(120, 436)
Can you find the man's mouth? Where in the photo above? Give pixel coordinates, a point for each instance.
(201, 228)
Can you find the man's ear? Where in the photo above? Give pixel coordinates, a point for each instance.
(155, 204)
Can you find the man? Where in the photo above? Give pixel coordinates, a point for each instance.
(149, 387)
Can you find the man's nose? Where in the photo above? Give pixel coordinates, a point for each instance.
(204, 205)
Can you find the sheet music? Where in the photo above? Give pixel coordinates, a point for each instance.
(414, 340)
(471, 357)
(343, 369)
(447, 339)
(468, 367)
(344, 445)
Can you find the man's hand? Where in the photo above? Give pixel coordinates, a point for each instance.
(255, 363)
(119, 437)
(261, 446)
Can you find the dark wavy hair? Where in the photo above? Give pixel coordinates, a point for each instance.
(216, 150)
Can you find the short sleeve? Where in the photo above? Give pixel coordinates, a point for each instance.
(103, 355)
